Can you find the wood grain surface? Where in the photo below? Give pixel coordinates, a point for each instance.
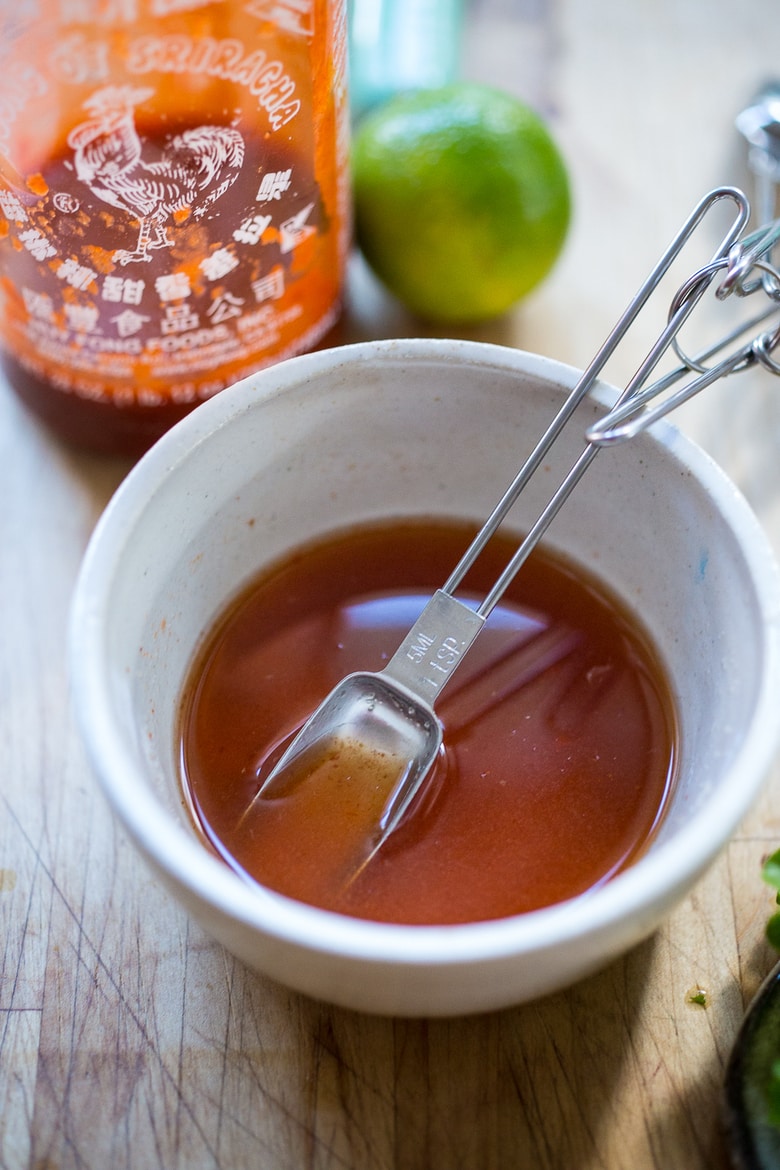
(128, 1039)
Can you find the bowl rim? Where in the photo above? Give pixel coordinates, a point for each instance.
(652, 880)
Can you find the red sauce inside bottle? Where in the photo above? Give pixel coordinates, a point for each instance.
(559, 734)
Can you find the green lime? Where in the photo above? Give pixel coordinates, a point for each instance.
(461, 200)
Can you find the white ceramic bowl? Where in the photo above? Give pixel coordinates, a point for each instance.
(424, 427)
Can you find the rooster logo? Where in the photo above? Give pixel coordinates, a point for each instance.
(194, 168)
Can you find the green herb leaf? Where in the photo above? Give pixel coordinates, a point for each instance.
(773, 931)
(771, 870)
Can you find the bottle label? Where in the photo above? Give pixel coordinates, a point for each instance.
(161, 252)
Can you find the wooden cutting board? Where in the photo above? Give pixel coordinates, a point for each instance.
(130, 1039)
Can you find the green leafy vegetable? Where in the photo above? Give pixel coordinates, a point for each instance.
(773, 1094)
(771, 874)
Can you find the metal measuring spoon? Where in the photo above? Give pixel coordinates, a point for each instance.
(383, 724)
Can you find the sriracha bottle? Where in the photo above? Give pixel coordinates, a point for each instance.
(173, 202)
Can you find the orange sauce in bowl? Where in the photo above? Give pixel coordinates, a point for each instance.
(560, 733)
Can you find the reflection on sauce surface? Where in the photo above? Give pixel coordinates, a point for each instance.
(559, 734)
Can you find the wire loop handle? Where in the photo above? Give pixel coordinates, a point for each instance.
(640, 405)
(746, 268)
